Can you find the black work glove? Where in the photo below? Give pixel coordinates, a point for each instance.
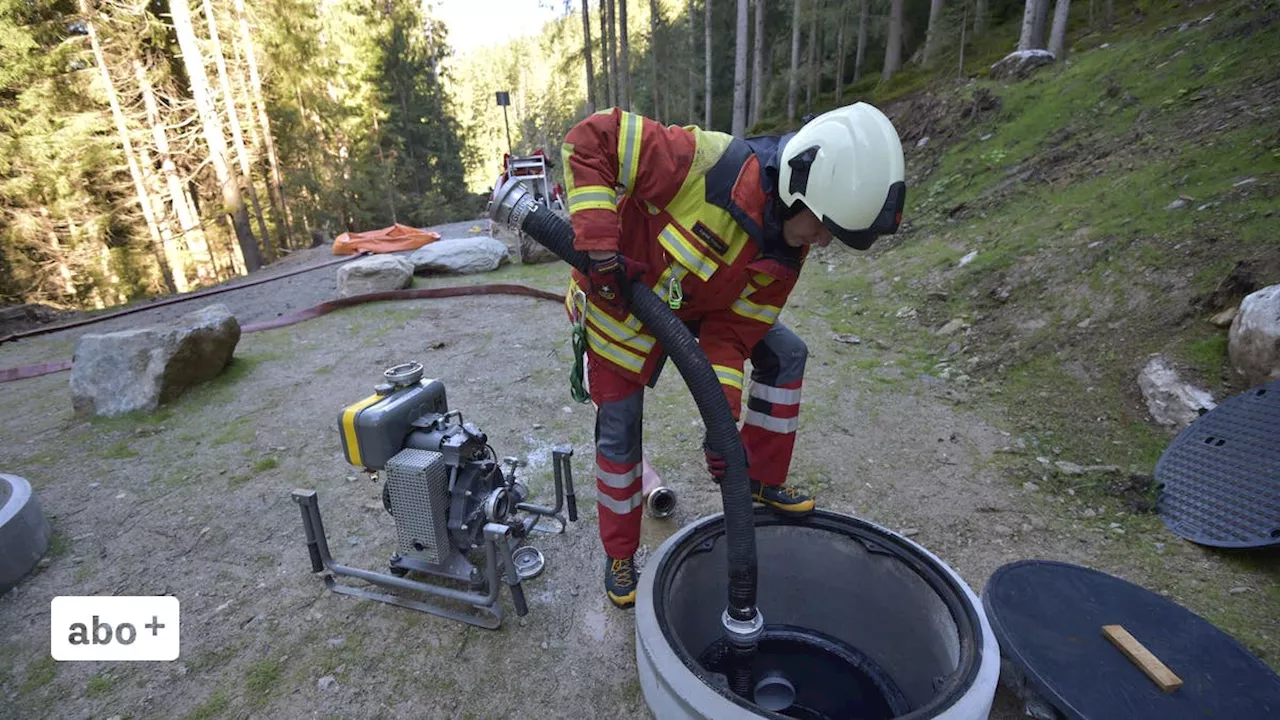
(611, 277)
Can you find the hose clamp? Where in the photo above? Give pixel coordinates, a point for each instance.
(743, 632)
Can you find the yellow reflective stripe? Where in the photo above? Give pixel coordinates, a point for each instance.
(629, 150)
(677, 245)
(762, 279)
(728, 376)
(622, 357)
(617, 331)
(592, 197)
(767, 314)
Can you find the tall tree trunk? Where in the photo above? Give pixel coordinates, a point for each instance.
(932, 34)
(655, 14)
(624, 57)
(237, 137)
(794, 77)
(814, 55)
(188, 219)
(1110, 13)
(606, 71)
(862, 40)
(980, 19)
(213, 134)
(964, 26)
(840, 55)
(273, 160)
(1028, 22)
(615, 84)
(1058, 37)
(1037, 29)
(166, 254)
(586, 54)
(707, 65)
(893, 45)
(757, 65)
(740, 72)
(388, 174)
(693, 74)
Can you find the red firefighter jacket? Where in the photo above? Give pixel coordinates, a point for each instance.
(698, 208)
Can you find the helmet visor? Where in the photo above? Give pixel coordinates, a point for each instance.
(886, 223)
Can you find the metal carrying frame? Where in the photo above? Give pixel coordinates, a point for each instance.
(501, 541)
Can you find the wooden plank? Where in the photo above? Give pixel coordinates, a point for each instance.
(1139, 655)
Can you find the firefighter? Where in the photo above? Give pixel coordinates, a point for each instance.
(719, 228)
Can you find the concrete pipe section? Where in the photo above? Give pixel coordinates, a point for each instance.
(859, 622)
(24, 530)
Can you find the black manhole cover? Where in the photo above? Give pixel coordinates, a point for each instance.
(1220, 479)
(1048, 619)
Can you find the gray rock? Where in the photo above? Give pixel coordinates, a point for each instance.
(1021, 64)
(1224, 318)
(1254, 341)
(1002, 530)
(327, 682)
(336, 642)
(954, 325)
(846, 338)
(1176, 204)
(376, 273)
(1068, 468)
(1169, 400)
(139, 370)
(461, 256)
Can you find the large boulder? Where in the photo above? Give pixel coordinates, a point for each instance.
(460, 256)
(139, 370)
(376, 273)
(1170, 400)
(1020, 64)
(1254, 341)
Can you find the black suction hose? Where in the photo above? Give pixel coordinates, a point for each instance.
(514, 207)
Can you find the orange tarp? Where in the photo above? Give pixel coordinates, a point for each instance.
(389, 239)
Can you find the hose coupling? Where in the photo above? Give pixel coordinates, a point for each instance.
(743, 632)
(511, 204)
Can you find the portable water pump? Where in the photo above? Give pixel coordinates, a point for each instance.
(449, 497)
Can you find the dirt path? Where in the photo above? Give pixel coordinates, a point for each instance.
(195, 502)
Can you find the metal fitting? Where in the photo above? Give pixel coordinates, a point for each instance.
(743, 632)
(661, 502)
(511, 204)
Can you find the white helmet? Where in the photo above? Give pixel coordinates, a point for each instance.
(846, 166)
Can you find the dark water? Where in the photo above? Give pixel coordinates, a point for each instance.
(831, 679)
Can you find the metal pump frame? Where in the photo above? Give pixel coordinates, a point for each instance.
(500, 542)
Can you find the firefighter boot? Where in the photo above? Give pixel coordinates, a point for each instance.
(621, 581)
(782, 498)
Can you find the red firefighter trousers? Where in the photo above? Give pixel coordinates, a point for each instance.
(768, 432)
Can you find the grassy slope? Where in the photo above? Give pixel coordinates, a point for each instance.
(1061, 187)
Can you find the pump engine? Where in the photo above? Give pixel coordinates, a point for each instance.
(446, 491)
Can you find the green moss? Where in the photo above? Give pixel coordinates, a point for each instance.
(261, 678)
(40, 672)
(98, 685)
(1208, 355)
(215, 706)
(266, 463)
(120, 451)
(214, 659)
(59, 545)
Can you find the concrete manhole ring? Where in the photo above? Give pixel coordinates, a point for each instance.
(24, 530)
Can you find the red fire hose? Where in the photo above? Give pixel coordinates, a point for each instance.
(45, 368)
